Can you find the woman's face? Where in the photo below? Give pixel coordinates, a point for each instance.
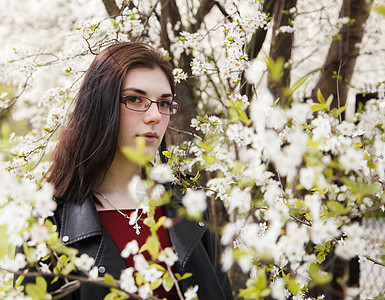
(149, 125)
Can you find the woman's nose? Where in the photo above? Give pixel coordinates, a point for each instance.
(152, 114)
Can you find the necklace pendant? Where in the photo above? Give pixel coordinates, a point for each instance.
(137, 227)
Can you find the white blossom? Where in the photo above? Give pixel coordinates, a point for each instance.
(240, 200)
(94, 273)
(84, 262)
(145, 291)
(227, 259)
(131, 248)
(191, 293)
(44, 268)
(179, 75)
(194, 202)
(255, 71)
(140, 262)
(350, 247)
(137, 189)
(152, 274)
(278, 290)
(307, 177)
(127, 281)
(168, 256)
(352, 159)
(161, 173)
(245, 262)
(14, 264)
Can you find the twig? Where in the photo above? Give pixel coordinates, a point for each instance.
(175, 283)
(374, 261)
(338, 91)
(185, 132)
(300, 221)
(147, 19)
(78, 278)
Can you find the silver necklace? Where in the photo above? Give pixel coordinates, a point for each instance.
(136, 225)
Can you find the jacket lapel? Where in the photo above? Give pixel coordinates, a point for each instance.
(79, 221)
(185, 233)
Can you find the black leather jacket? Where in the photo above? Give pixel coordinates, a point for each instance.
(197, 248)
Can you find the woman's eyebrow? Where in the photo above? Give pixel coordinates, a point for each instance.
(167, 95)
(139, 91)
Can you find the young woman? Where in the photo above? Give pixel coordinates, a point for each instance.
(127, 94)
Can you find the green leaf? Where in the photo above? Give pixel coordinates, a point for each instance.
(41, 283)
(167, 282)
(244, 118)
(184, 276)
(318, 276)
(210, 159)
(317, 107)
(68, 251)
(336, 112)
(38, 290)
(160, 222)
(5, 248)
(156, 284)
(152, 245)
(275, 68)
(33, 291)
(371, 164)
(335, 207)
(329, 101)
(54, 280)
(320, 97)
(321, 257)
(293, 286)
(296, 85)
(380, 9)
(150, 222)
(109, 279)
(261, 279)
(19, 281)
(167, 154)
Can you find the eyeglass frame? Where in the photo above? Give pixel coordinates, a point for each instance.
(152, 101)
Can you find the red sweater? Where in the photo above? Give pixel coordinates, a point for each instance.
(122, 232)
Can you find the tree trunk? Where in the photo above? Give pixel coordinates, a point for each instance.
(281, 46)
(342, 55)
(255, 46)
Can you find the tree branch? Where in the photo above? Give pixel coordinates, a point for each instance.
(111, 7)
(203, 10)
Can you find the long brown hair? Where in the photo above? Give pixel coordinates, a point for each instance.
(88, 143)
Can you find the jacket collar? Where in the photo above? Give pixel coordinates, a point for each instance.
(81, 221)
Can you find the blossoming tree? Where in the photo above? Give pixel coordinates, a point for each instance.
(292, 179)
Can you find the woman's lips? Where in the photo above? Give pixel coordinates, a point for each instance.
(150, 137)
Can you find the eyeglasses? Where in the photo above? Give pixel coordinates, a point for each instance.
(141, 103)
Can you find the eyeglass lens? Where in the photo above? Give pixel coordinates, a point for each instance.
(139, 103)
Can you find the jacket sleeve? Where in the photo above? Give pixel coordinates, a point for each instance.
(211, 244)
(51, 287)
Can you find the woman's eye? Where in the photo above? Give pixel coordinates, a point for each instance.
(134, 99)
(165, 103)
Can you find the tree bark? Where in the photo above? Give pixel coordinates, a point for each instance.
(111, 7)
(343, 52)
(281, 46)
(184, 90)
(255, 45)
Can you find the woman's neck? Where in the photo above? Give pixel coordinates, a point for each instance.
(114, 185)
